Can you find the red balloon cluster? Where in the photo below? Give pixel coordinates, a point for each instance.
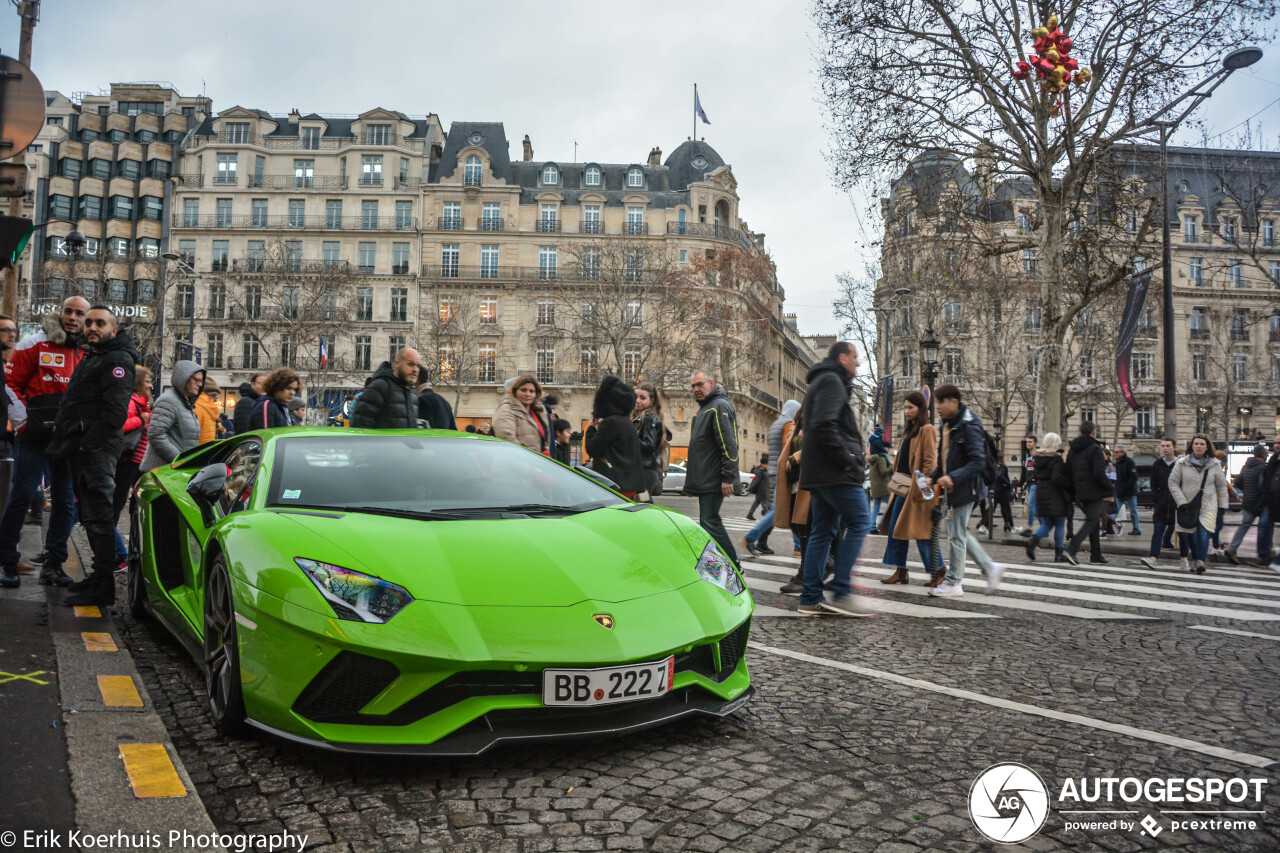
(1053, 64)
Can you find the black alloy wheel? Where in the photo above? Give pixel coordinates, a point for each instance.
(222, 651)
(137, 589)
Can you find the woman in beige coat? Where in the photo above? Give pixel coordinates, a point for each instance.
(910, 518)
(522, 419)
(1191, 473)
(791, 503)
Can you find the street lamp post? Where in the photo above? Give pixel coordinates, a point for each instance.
(929, 357)
(887, 311)
(1232, 62)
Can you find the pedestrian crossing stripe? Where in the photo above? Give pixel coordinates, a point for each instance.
(1254, 634)
(888, 605)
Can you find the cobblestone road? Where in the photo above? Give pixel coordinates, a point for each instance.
(824, 758)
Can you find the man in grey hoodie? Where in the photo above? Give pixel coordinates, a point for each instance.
(757, 539)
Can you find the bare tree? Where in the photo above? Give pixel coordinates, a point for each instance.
(450, 330)
(730, 293)
(901, 79)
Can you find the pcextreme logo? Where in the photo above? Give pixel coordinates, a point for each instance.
(1008, 803)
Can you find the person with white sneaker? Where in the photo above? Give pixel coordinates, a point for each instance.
(962, 458)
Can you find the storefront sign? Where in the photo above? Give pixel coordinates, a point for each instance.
(138, 312)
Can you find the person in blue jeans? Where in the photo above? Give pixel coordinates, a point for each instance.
(832, 468)
(1127, 488)
(1269, 501)
(31, 466)
(1053, 484)
(911, 517)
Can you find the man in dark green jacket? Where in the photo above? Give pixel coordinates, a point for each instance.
(712, 469)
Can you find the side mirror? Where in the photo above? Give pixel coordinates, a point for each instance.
(205, 488)
(595, 476)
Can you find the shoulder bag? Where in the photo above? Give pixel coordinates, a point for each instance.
(1189, 512)
(900, 484)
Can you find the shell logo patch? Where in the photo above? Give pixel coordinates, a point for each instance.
(52, 359)
(604, 620)
(118, 373)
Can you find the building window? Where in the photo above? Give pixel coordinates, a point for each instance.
(635, 177)
(631, 365)
(218, 257)
(1196, 266)
(235, 132)
(1239, 327)
(253, 301)
(404, 172)
(1273, 270)
(471, 171)
(452, 218)
(1143, 366)
(217, 301)
(588, 366)
(489, 261)
(399, 304)
(223, 217)
(118, 247)
(1236, 269)
(491, 219)
(129, 169)
(1229, 229)
(90, 207)
(369, 215)
(148, 247)
(371, 171)
(160, 169)
(1144, 422)
(634, 314)
(1275, 368)
(546, 312)
(364, 352)
(404, 216)
(53, 121)
(145, 291)
(213, 350)
(591, 178)
(1273, 327)
(377, 134)
(1030, 257)
(333, 213)
(635, 220)
(122, 207)
(190, 212)
(187, 250)
(487, 363)
(289, 301)
(1199, 368)
(69, 168)
(952, 311)
(1131, 221)
(257, 256)
(249, 351)
(1199, 323)
(907, 360)
(399, 258)
(288, 350)
(152, 208)
(1190, 229)
(1268, 232)
(368, 257)
(304, 174)
(60, 206)
(591, 264)
(953, 362)
(550, 175)
(101, 169)
(332, 250)
(546, 365)
(634, 269)
(395, 343)
(447, 360)
(311, 138)
(488, 310)
(1086, 367)
(1239, 368)
(364, 304)
(1032, 323)
(591, 219)
(186, 301)
(547, 258)
(226, 173)
(1024, 225)
(448, 308)
(548, 220)
(449, 260)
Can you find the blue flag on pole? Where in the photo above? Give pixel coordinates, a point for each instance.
(697, 108)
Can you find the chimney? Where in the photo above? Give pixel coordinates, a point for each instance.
(294, 114)
(655, 156)
(528, 149)
(985, 168)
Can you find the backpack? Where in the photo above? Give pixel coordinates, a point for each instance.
(991, 465)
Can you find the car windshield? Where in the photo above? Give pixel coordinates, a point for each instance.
(411, 475)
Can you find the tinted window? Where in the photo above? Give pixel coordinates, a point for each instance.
(243, 462)
(422, 474)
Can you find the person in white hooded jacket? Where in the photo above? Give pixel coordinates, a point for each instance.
(174, 426)
(1198, 473)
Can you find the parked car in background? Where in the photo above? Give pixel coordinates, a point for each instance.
(674, 481)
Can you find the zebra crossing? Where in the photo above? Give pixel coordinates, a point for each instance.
(1241, 594)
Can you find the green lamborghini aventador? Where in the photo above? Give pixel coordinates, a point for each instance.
(431, 592)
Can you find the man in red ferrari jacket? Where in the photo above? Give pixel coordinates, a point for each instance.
(38, 372)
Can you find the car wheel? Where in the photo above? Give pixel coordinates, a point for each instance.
(137, 589)
(222, 651)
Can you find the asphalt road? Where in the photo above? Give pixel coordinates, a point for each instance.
(866, 735)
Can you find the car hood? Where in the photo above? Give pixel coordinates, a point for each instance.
(606, 555)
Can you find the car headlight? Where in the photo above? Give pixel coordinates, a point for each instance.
(355, 596)
(715, 568)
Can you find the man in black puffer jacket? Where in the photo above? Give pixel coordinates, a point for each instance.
(832, 468)
(390, 401)
(249, 393)
(611, 440)
(1088, 467)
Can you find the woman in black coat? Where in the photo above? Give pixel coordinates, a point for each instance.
(272, 408)
(1053, 496)
(647, 419)
(611, 440)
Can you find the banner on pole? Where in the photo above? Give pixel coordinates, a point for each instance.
(886, 408)
(1138, 287)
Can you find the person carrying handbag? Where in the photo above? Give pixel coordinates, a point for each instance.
(1198, 487)
(909, 517)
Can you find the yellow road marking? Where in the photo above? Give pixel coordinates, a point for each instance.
(151, 770)
(88, 611)
(119, 691)
(6, 677)
(98, 642)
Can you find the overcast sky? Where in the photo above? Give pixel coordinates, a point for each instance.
(617, 78)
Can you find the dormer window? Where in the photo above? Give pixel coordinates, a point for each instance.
(236, 131)
(591, 178)
(550, 175)
(311, 138)
(471, 172)
(377, 134)
(635, 177)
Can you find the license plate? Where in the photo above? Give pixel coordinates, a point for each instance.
(608, 685)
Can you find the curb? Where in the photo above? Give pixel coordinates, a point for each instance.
(126, 775)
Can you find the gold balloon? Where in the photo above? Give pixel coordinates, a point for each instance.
(1039, 32)
(1053, 55)
(1053, 21)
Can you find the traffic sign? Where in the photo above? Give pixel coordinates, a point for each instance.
(21, 107)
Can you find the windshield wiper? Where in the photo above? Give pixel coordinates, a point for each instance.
(531, 508)
(425, 514)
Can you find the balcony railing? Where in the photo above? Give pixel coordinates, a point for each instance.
(1199, 334)
(287, 222)
(191, 180)
(1193, 238)
(306, 143)
(528, 273)
(715, 232)
(591, 227)
(298, 182)
(471, 272)
(490, 223)
(451, 223)
(636, 228)
(1273, 337)
(301, 363)
(287, 265)
(549, 226)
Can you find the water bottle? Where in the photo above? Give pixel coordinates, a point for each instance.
(923, 482)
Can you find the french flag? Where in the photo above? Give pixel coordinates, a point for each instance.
(324, 355)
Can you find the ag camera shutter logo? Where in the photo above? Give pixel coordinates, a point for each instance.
(1008, 803)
